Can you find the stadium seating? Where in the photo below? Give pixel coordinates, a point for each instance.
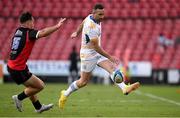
(129, 25)
(73, 8)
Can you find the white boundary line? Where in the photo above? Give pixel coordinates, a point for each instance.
(157, 97)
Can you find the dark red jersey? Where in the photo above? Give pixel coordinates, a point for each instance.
(21, 47)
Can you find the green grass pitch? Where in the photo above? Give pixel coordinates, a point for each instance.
(97, 101)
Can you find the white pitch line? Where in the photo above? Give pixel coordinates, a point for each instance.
(157, 97)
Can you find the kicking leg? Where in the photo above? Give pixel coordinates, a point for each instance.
(126, 89)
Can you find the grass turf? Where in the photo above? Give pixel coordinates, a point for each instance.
(96, 101)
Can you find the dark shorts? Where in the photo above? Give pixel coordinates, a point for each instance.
(19, 76)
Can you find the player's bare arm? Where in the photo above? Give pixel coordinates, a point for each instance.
(47, 31)
(97, 48)
(78, 31)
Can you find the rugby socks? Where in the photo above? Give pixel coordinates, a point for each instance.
(73, 87)
(122, 85)
(37, 105)
(22, 96)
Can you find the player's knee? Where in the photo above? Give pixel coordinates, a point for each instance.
(41, 86)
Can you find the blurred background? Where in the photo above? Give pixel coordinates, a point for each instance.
(143, 34)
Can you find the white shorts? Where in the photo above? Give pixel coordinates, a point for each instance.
(90, 64)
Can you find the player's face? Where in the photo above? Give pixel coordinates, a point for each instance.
(99, 15)
(32, 23)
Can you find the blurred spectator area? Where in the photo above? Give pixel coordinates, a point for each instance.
(80, 8)
(128, 25)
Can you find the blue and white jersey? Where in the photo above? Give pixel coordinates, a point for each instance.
(91, 30)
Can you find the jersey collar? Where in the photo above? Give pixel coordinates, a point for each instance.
(91, 17)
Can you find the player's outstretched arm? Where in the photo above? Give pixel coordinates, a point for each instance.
(98, 49)
(47, 31)
(78, 30)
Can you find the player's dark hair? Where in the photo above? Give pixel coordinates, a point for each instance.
(25, 17)
(98, 6)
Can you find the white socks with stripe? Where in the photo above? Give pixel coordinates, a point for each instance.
(73, 87)
(122, 85)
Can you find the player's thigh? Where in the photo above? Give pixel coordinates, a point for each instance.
(88, 65)
(34, 82)
(107, 65)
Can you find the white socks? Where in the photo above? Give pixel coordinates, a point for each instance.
(122, 85)
(73, 87)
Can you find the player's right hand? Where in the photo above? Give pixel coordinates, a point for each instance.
(74, 35)
(114, 60)
(61, 22)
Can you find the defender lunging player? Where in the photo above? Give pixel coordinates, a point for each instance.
(92, 54)
(22, 43)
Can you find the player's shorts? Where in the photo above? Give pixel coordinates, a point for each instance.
(19, 76)
(89, 64)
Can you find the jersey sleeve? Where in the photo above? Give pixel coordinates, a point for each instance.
(33, 34)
